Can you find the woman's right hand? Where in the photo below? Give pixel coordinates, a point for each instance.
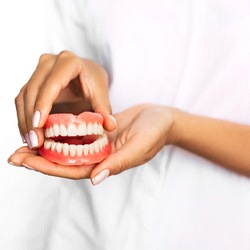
(67, 79)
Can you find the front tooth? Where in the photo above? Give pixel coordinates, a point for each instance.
(79, 149)
(85, 149)
(63, 130)
(72, 130)
(90, 129)
(100, 129)
(56, 130)
(72, 150)
(47, 144)
(47, 133)
(65, 149)
(95, 129)
(100, 144)
(59, 147)
(82, 129)
(51, 133)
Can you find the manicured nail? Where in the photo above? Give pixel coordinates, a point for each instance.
(27, 138)
(36, 119)
(113, 119)
(104, 174)
(33, 139)
(28, 167)
(23, 139)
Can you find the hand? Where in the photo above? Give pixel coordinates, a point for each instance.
(61, 83)
(142, 131)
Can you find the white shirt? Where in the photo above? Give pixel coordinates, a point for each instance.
(194, 55)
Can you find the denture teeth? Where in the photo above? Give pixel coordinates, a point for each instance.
(79, 150)
(90, 129)
(53, 146)
(59, 147)
(72, 130)
(100, 129)
(82, 129)
(65, 149)
(72, 150)
(56, 130)
(95, 128)
(51, 133)
(85, 150)
(63, 130)
(96, 147)
(47, 144)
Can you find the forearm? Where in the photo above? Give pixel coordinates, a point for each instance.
(225, 143)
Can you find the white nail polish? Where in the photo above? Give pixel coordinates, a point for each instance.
(28, 167)
(36, 119)
(104, 174)
(27, 138)
(113, 119)
(33, 138)
(23, 139)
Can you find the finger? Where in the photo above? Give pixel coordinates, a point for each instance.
(44, 166)
(126, 157)
(95, 86)
(66, 68)
(33, 86)
(19, 103)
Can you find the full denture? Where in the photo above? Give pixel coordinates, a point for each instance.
(75, 140)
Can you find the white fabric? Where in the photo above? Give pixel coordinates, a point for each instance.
(194, 55)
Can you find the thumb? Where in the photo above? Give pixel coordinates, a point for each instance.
(123, 159)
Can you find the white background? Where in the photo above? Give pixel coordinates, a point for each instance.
(22, 32)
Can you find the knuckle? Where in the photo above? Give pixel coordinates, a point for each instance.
(44, 58)
(122, 165)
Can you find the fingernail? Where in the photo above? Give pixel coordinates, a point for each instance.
(104, 174)
(113, 119)
(23, 139)
(33, 138)
(27, 138)
(36, 119)
(28, 167)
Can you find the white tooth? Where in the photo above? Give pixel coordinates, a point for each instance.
(63, 130)
(100, 129)
(47, 144)
(90, 129)
(51, 133)
(72, 150)
(100, 144)
(56, 129)
(59, 147)
(72, 130)
(65, 149)
(91, 149)
(95, 129)
(53, 146)
(96, 147)
(105, 140)
(79, 149)
(46, 133)
(86, 149)
(82, 129)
